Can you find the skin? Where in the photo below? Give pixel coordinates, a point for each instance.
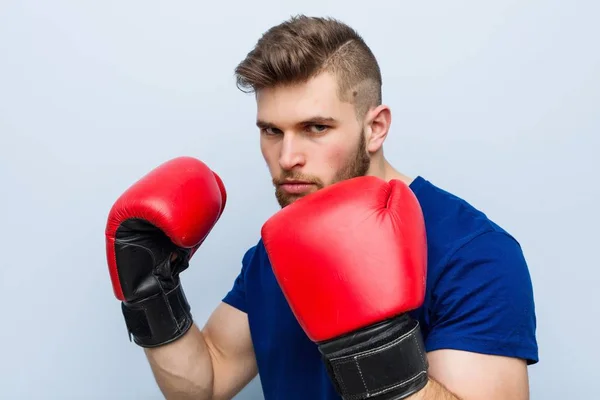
(217, 361)
(309, 138)
(298, 146)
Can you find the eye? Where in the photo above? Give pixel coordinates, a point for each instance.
(270, 131)
(317, 128)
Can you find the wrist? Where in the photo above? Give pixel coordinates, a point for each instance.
(386, 361)
(159, 319)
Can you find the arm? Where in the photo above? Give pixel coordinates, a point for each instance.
(433, 391)
(482, 324)
(213, 363)
(153, 230)
(460, 375)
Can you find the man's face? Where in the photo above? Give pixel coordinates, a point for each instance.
(309, 137)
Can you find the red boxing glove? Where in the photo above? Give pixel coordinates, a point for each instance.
(168, 212)
(351, 260)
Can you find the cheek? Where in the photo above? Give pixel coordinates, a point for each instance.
(336, 157)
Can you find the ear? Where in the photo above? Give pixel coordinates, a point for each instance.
(378, 121)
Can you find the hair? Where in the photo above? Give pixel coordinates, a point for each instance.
(303, 47)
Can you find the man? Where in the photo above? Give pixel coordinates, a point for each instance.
(322, 124)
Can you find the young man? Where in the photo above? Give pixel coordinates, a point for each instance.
(321, 121)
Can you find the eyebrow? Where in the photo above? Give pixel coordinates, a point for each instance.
(316, 120)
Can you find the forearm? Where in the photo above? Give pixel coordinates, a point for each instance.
(433, 391)
(183, 369)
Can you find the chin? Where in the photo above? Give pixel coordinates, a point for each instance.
(286, 200)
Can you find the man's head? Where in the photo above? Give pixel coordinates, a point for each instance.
(318, 92)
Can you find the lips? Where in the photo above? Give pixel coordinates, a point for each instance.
(296, 187)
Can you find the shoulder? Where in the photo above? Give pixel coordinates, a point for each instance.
(251, 253)
(254, 258)
(479, 290)
(491, 271)
(455, 227)
(237, 295)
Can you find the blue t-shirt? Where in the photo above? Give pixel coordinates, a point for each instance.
(479, 298)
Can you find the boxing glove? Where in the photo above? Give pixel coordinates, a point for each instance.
(351, 260)
(153, 229)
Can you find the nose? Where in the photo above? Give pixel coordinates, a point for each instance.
(291, 155)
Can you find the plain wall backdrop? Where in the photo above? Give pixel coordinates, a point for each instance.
(497, 102)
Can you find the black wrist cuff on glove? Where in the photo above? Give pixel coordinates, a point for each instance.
(386, 361)
(158, 320)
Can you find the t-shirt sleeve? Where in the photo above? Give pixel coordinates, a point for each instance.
(236, 297)
(483, 301)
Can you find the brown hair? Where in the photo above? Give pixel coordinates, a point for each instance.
(302, 47)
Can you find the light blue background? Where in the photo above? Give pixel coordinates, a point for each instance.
(497, 102)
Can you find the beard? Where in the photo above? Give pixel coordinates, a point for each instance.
(357, 165)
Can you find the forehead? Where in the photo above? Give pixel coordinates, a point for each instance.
(291, 103)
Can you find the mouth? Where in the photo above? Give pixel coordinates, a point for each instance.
(295, 187)
(295, 182)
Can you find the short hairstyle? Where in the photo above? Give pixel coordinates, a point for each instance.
(303, 47)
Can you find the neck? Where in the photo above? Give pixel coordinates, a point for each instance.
(384, 170)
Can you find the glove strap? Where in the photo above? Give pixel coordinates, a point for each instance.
(384, 361)
(159, 319)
